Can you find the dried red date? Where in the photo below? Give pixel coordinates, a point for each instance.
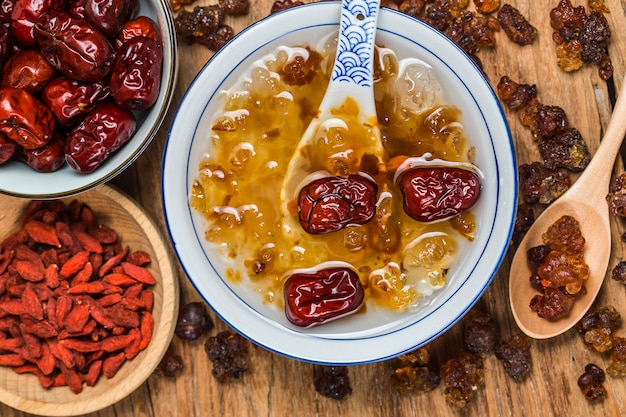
(313, 298)
(136, 74)
(6, 9)
(70, 100)
(25, 119)
(73, 46)
(330, 204)
(76, 8)
(437, 193)
(7, 148)
(24, 16)
(49, 157)
(28, 70)
(108, 16)
(103, 131)
(141, 26)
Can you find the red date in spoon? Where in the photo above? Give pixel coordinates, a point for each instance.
(330, 204)
(321, 296)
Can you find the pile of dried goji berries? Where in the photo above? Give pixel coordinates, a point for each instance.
(74, 303)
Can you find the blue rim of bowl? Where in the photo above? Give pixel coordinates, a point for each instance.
(459, 313)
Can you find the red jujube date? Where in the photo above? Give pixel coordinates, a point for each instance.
(49, 157)
(313, 298)
(73, 46)
(333, 203)
(435, 193)
(136, 73)
(141, 26)
(108, 16)
(103, 131)
(25, 119)
(7, 148)
(28, 70)
(24, 15)
(71, 100)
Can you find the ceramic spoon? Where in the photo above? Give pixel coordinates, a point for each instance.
(351, 78)
(586, 202)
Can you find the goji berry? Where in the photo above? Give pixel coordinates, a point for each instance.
(88, 242)
(115, 343)
(139, 257)
(77, 318)
(140, 273)
(46, 362)
(81, 345)
(42, 233)
(74, 302)
(111, 262)
(147, 328)
(134, 347)
(11, 359)
(28, 270)
(112, 364)
(31, 303)
(122, 280)
(74, 264)
(83, 275)
(51, 276)
(93, 373)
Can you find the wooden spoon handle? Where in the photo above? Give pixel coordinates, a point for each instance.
(596, 178)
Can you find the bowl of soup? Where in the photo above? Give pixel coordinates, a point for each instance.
(430, 224)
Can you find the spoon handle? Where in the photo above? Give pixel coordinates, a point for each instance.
(353, 69)
(596, 178)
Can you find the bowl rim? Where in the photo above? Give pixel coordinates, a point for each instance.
(154, 352)
(324, 350)
(88, 181)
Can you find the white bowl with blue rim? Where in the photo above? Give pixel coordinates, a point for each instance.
(19, 180)
(378, 334)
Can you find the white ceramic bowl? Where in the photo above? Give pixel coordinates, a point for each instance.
(18, 179)
(377, 334)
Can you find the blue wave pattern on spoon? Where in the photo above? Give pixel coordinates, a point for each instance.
(355, 52)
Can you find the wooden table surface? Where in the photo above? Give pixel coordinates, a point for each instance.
(277, 386)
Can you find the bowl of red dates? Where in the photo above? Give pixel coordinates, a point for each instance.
(367, 260)
(88, 301)
(84, 88)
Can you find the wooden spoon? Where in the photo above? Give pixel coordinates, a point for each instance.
(586, 202)
(351, 83)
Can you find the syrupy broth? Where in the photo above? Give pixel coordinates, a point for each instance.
(400, 261)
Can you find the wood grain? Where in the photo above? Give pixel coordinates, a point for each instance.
(277, 386)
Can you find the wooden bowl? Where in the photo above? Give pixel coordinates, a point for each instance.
(137, 231)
